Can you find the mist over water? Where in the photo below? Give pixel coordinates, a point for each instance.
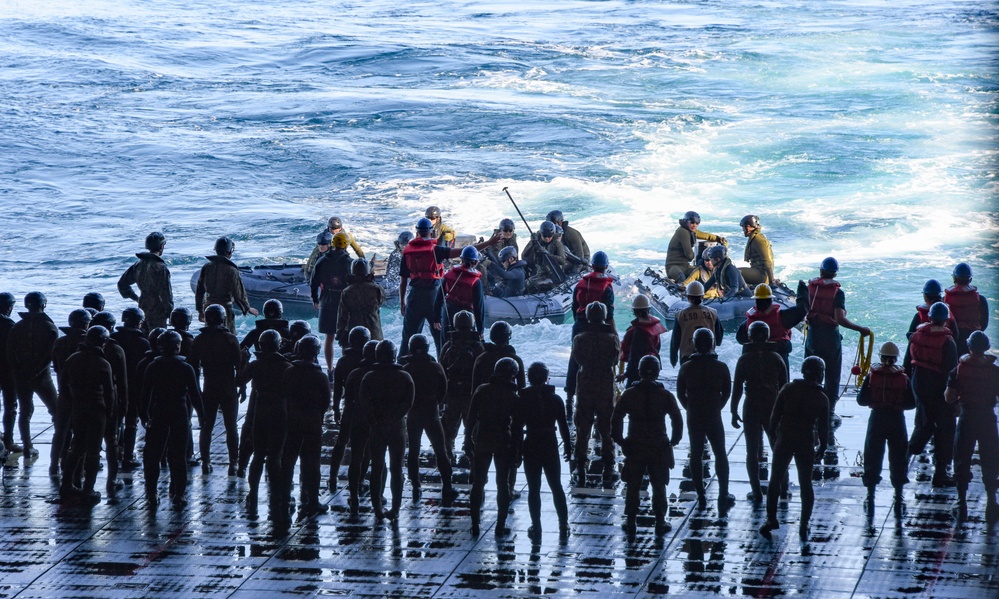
(862, 130)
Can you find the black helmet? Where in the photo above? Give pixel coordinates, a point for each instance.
(547, 229)
(359, 268)
(829, 264)
(299, 329)
(155, 241)
(716, 252)
(648, 368)
(978, 342)
(35, 300)
(464, 321)
(79, 318)
(308, 347)
(181, 319)
(692, 217)
(224, 246)
(97, 336)
(132, 317)
(91, 312)
(368, 351)
(558, 231)
(324, 238)
(358, 336)
(750, 220)
(7, 300)
(704, 341)
(555, 216)
(537, 373)
(385, 352)
(154, 336)
(813, 369)
(596, 312)
(507, 225)
(215, 315)
(418, 344)
(432, 212)
(104, 319)
(507, 253)
(759, 332)
(506, 369)
(273, 309)
(94, 300)
(403, 239)
(500, 333)
(932, 287)
(169, 343)
(269, 341)
(335, 222)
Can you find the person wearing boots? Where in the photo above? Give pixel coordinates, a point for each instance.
(596, 349)
(703, 386)
(356, 413)
(693, 317)
(647, 448)
(328, 281)
(458, 357)
(64, 347)
(7, 387)
(643, 338)
(29, 354)
(348, 362)
(360, 304)
(216, 353)
(430, 383)
(596, 286)
(761, 371)
(219, 283)
(115, 355)
(133, 340)
(887, 392)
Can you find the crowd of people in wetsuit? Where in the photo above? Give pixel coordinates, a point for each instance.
(383, 398)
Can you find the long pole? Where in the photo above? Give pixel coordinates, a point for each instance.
(517, 208)
(553, 267)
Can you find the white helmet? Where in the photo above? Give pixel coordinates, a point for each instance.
(889, 349)
(695, 289)
(640, 303)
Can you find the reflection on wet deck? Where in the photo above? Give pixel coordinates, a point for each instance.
(211, 548)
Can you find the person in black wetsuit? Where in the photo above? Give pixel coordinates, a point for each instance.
(430, 389)
(348, 362)
(647, 449)
(540, 410)
(29, 353)
(458, 357)
(115, 355)
(273, 320)
(133, 340)
(801, 411)
(64, 347)
(215, 352)
(360, 429)
(7, 387)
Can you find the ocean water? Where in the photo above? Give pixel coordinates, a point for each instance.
(864, 129)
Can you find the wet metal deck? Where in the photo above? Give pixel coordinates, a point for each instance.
(211, 548)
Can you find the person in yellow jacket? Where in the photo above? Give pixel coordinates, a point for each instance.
(759, 254)
(682, 247)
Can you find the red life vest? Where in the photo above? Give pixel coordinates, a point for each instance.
(963, 302)
(421, 260)
(772, 318)
(458, 285)
(888, 385)
(923, 312)
(591, 289)
(926, 346)
(821, 299)
(977, 380)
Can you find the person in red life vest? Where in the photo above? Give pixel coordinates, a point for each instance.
(826, 313)
(932, 293)
(970, 309)
(779, 320)
(596, 286)
(930, 357)
(462, 289)
(641, 339)
(420, 272)
(693, 317)
(888, 394)
(974, 386)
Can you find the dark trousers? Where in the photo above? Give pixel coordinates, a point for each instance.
(543, 458)
(131, 429)
(270, 427)
(654, 461)
(573, 368)
(26, 390)
(886, 426)
(588, 411)
(938, 422)
(62, 431)
(803, 452)
(360, 458)
(456, 406)
(482, 457)
(755, 420)
(420, 309)
(9, 392)
(977, 426)
(305, 442)
(166, 434)
(392, 439)
(417, 422)
(342, 439)
(826, 343)
(217, 397)
(246, 436)
(707, 426)
(89, 424)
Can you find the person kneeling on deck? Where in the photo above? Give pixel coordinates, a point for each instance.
(647, 449)
(683, 246)
(693, 317)
(641, 339)
(888, 394)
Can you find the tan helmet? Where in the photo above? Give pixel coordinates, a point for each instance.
(695, 289)
(341, 241)
(889, 350)
(762, 291)
(640, 303)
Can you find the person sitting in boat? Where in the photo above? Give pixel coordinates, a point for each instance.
(334, 226)
(509, 272)
(443, 233)
(682, 247)
(725, 275)
(759, 254)
(574, 264)
(543, 244)
(462, 289)
(508, 239)
(701, 273)
(572, 240)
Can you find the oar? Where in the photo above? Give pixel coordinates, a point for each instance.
(553, 267)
